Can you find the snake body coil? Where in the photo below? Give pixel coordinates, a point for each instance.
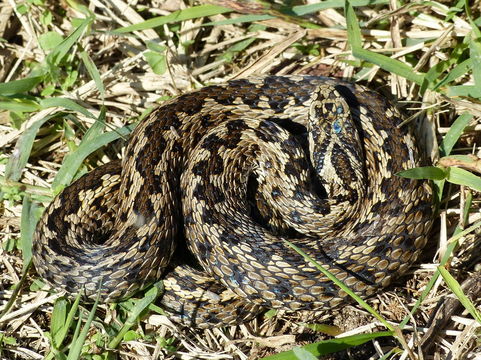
(231, 168)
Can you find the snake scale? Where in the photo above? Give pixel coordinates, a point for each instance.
(229, 172)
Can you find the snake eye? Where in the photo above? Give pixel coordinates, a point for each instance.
(336, 126)
(340, 109)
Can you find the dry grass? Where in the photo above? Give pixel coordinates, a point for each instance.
(193, 53)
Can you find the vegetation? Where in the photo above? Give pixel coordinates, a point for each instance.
(77, 76)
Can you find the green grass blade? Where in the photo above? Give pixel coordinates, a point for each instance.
(463, 177)
(18, 104)
(55, 57)
(354, 36)
(66, 104)
(140, 306)
(455, 131)
(459, 70)
(240, 20)
(13, 298)
(300, 10)
(97, 127)
(475, 55)
(464, 90)
(424, 172)
(389, 65)
(452, 243)
(23, 148)
(79, 341)
(330, 346)
(19, 86)
(455, 287)
(340, 284)
(73, 160)
(302, 354)
(93, 72)
(386, 63)
(180, 15)
(28, 222)
(57, 323)
(62, 324)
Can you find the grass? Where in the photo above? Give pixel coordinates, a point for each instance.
(76, 78)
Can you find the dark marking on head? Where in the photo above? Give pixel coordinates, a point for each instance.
(348, 96)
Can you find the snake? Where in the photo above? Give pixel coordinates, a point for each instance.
(215, 185)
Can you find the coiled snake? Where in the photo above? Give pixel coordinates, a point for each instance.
(233, 169)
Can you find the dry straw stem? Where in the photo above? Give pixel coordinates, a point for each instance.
(139, 69)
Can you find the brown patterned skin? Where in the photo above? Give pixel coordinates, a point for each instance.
(187, 172)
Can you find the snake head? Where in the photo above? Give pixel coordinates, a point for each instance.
(336, 149)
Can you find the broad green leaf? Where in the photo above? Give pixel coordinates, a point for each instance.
(19, 86)
(425, 172)
(49, 40)
(157, 61)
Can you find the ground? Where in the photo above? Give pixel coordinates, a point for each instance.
(78, 58)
